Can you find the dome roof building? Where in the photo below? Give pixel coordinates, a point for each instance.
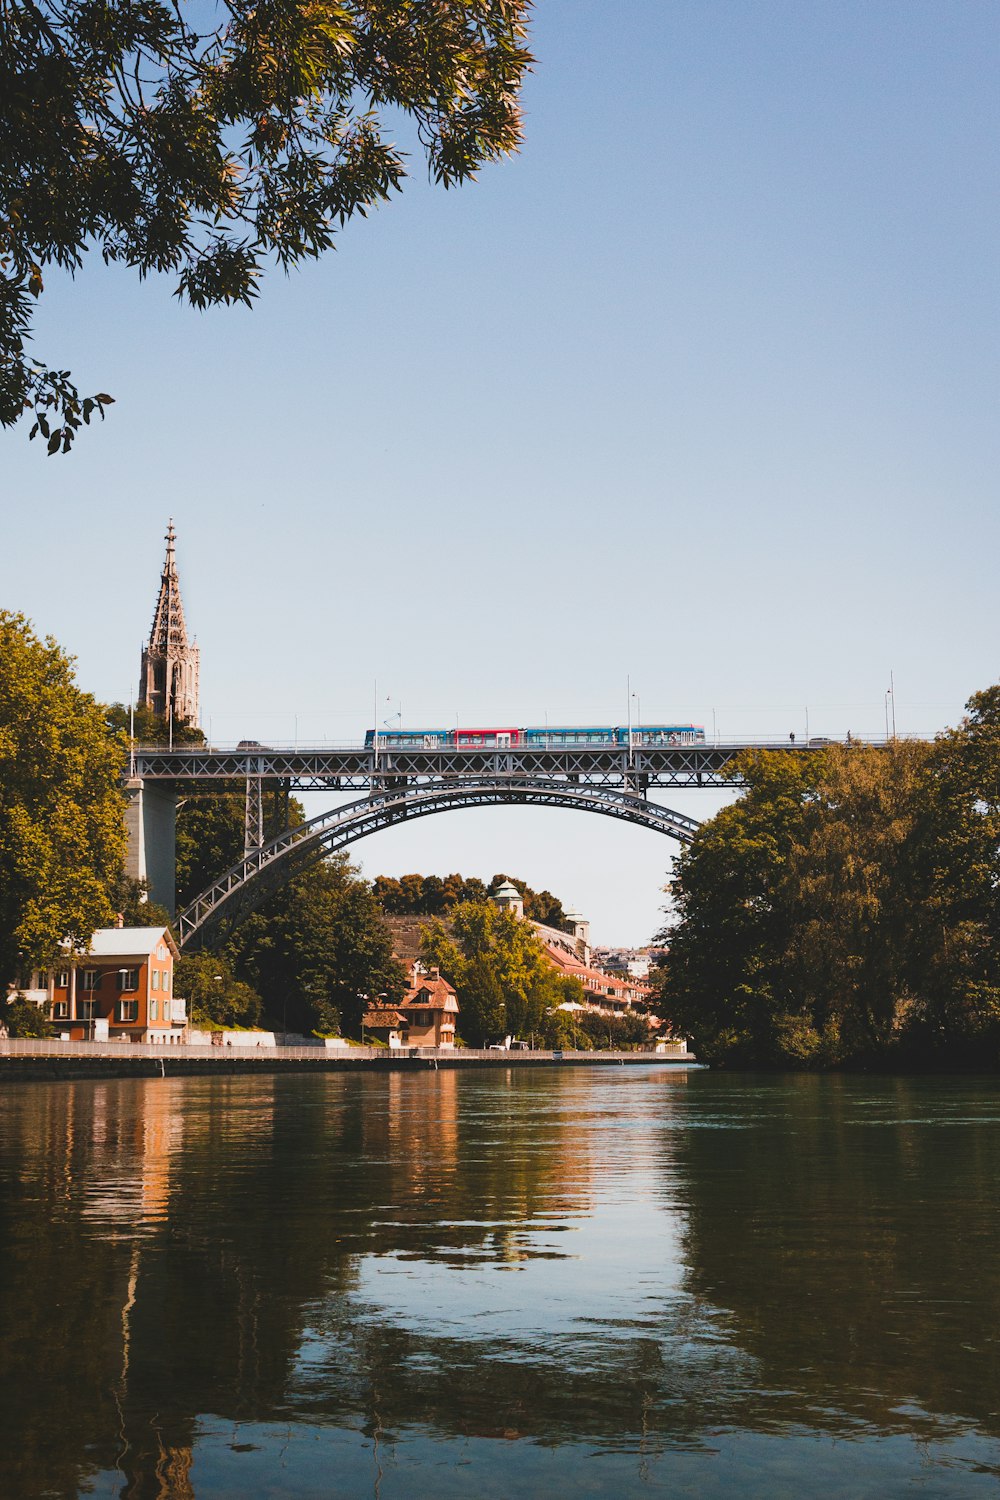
(509, 898)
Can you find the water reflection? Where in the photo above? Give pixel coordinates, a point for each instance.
(850, 1227)
(215, 1286)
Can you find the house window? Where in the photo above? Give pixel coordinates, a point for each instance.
(166, 981)
(60, 1010)
(128, 979)
(62, 979)
(91, 979)
(88, 1009)
(128, 1010)
(156, 979)
(154, 1009)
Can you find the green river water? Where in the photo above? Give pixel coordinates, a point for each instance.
(540, 1282)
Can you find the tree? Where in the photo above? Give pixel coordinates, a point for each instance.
(498, 967)
(130, 901)
(316, 948)
(483, 1007)
(389, 894)
(23, 1018)
(209, 837)
(855, 896)
(727, 983)
(150, 728)
(431, 896)
(432, 900)
(210, 830)
(62, 804)
(412, 892)
(208, 153)
(623, 1033)
(847, 909)
(216, 998)
(958, 943)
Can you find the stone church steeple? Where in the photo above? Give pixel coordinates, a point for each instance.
(169, 681)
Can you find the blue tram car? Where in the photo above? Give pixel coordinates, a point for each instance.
(541, 737)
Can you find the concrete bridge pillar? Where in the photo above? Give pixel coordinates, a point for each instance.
(150, 822)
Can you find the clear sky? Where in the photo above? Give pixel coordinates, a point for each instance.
(701, 389)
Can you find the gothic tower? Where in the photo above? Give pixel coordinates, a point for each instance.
(169, 681)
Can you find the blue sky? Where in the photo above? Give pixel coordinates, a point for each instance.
(700, 389)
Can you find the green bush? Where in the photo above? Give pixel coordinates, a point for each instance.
(22, 1018)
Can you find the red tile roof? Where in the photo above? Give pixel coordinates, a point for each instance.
(440, 994)
(619, 987)
(375, 1019)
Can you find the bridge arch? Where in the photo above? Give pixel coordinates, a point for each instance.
(244, 887)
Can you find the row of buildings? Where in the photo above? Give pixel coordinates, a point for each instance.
(606, 991)
(123, 988)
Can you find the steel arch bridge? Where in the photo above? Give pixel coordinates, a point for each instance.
(262, 871)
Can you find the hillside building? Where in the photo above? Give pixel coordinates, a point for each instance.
(571, 954)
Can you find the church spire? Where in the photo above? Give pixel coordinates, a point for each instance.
(169, 681)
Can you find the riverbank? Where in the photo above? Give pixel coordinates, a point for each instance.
(28, 1060)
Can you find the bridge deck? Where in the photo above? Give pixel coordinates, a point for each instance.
(359, 768)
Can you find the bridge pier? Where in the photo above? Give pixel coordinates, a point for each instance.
(150, 823)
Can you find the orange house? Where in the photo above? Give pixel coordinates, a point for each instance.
(123, 988)
(429, 1006)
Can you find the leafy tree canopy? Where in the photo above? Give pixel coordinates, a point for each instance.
(316, 948)
(204, 141)
(130, 900)
(23, 1018)
(62, 836)
(847, 908)
(216, 997)
(504, 981)
(433, 895)
(210, 830)
(150, 728)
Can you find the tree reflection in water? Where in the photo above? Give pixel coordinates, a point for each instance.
(627, 1262)
(850, 1225)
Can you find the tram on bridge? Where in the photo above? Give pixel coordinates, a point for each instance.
(547, 738)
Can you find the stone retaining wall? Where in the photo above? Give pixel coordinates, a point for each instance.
(28, 1058)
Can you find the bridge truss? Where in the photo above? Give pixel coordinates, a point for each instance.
(264, 869)
(362, 769)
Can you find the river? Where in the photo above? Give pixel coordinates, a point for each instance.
(527, 1283)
